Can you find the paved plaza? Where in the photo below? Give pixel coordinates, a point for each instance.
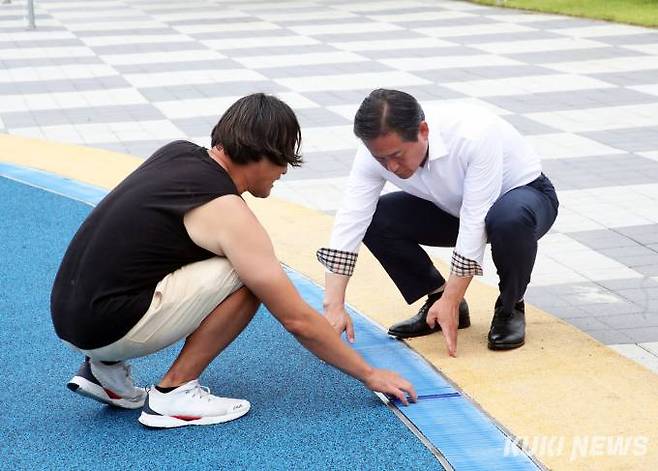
(129, 76)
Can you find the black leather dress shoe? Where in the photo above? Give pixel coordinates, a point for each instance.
(416, 326)
(507, 328)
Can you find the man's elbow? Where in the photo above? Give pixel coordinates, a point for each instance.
(299, 327)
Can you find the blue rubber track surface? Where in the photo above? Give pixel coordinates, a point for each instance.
(305, 414)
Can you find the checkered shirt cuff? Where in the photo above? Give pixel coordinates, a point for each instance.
(337, 261)
(462, 266)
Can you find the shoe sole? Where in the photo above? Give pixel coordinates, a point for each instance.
(505, 346)
(86, 388)
(414, 335)
(165, 421)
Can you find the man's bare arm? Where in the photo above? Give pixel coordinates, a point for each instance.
(335, 287)
(227, 226)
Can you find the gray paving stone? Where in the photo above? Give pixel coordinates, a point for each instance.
(62, 85)
(213, 21)
(20, 14)
(102, 114)
(564, 312)
(630, 139)
(144, 149)
(19, 120)
(628, 79)
(348, 97)
(155, 30)
(559, 101)
(322, 166)
(640, 296)
(640, 335)
(301, 7)
(631, 321)
(628, 283)
(442, 23)
(586, 323)
(384, 35)
(605, 309)
(432, 92)
(317, 117)
(585, 297)
(465, 74)
(274, 51)
(199, 126)
(600, 171)
(573, 55)
(21, 29)
(504, 37)
(647, 270)
(611, 336)
(639, 251)
(219, 64)
(157, 94)
(624, 40)
(136, 16)
(545, 297)
(426, 8)
(421, 52)
(209, 90)
(325, 69)
(142, 48)
(527, 126)
(242, 34)
(603, 239)
(308, 172)
(645, 234)
(638, 261)
(565, 22)
(34, 43)
(291, 23)
(50, 61)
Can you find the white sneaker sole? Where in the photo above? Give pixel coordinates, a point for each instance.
(84, 387)
(165, 421)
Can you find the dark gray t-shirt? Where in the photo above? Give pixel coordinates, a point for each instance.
(130, 241)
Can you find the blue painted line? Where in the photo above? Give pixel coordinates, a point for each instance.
(467, 438)
(464, 435)
(54, 183)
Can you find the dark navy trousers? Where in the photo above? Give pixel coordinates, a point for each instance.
(517, 220)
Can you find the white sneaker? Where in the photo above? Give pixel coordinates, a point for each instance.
(111, 384)
(189, 404)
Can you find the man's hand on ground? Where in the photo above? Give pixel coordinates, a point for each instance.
(341, 321)
(445, 312)
(392, 384)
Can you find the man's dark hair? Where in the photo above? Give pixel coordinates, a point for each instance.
(258, 126)
(385, 111)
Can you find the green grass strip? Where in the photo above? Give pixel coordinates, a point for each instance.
(635, 12)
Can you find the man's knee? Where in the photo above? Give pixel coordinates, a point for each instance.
(506, 225)
(510, 221)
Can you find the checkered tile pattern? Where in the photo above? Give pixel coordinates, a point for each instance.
(131, 75)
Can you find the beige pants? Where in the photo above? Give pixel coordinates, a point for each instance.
(182, 300)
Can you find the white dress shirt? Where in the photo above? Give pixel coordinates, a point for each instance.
(474, 158)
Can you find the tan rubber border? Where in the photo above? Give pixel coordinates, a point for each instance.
(562, 385)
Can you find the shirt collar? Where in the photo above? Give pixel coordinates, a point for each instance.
(436, 149)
